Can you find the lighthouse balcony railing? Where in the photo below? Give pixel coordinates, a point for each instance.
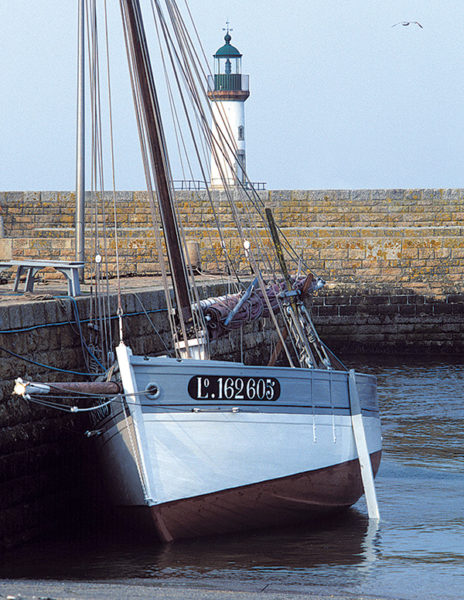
(231, 82)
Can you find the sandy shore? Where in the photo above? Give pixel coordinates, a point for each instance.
(149, 590)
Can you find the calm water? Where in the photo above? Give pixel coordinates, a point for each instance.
(416, 552)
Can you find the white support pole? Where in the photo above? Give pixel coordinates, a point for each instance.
(361, 446)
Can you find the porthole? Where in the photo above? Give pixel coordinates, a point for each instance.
(152, 391)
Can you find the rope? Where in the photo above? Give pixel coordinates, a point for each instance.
(151, 323)
(84, 346)
(59, 323)
(34, 362)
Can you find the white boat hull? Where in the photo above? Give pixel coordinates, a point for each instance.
(202, 466)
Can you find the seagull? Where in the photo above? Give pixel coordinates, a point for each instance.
(406, 23)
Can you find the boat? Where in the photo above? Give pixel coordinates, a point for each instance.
(193, 446)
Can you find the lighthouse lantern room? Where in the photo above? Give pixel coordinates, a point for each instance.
(228, 89)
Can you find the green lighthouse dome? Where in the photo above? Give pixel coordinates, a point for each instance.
(227, 51)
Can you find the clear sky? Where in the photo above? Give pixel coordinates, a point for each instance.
(339, 97)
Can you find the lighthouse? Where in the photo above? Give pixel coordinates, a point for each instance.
(228, 89)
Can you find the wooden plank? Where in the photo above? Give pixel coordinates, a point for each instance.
(362, 449)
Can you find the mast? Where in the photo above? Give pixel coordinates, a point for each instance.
(80, 141)
(156, 142)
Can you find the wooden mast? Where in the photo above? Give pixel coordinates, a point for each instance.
(157, 146)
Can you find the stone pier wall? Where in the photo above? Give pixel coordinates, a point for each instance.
(407, 239)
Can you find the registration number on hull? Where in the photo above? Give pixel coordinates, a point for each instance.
(214, 387)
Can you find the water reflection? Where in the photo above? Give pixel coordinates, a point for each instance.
(345, 539)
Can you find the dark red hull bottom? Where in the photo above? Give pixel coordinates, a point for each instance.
(283, 501)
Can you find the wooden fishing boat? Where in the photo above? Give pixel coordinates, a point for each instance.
(200, 446)
(214, 446)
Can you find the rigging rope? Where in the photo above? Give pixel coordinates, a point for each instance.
(102, 336)
(190, 78)
(184, 62)
(113, 174)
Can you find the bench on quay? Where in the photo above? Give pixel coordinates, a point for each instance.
(30, 268)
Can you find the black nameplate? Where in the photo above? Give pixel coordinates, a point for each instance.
(234, 389)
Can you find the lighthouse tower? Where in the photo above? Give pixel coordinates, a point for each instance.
(228, 89)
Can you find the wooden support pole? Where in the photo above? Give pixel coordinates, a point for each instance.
(94, 388)
(361, 447)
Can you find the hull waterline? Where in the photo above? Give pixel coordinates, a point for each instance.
(285, 501)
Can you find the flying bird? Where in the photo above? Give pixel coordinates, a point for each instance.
(406, 23)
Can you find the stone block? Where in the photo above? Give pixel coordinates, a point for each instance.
(407, 310)
(328, 311)
(13, 198)
(388, 309)
(377, 299)
(348, 310)
(403, 328)
(455, 298)
(451, 194)
(13, 320)
(6, 248)
(441, 308)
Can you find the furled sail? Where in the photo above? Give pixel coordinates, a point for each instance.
(253, 307)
